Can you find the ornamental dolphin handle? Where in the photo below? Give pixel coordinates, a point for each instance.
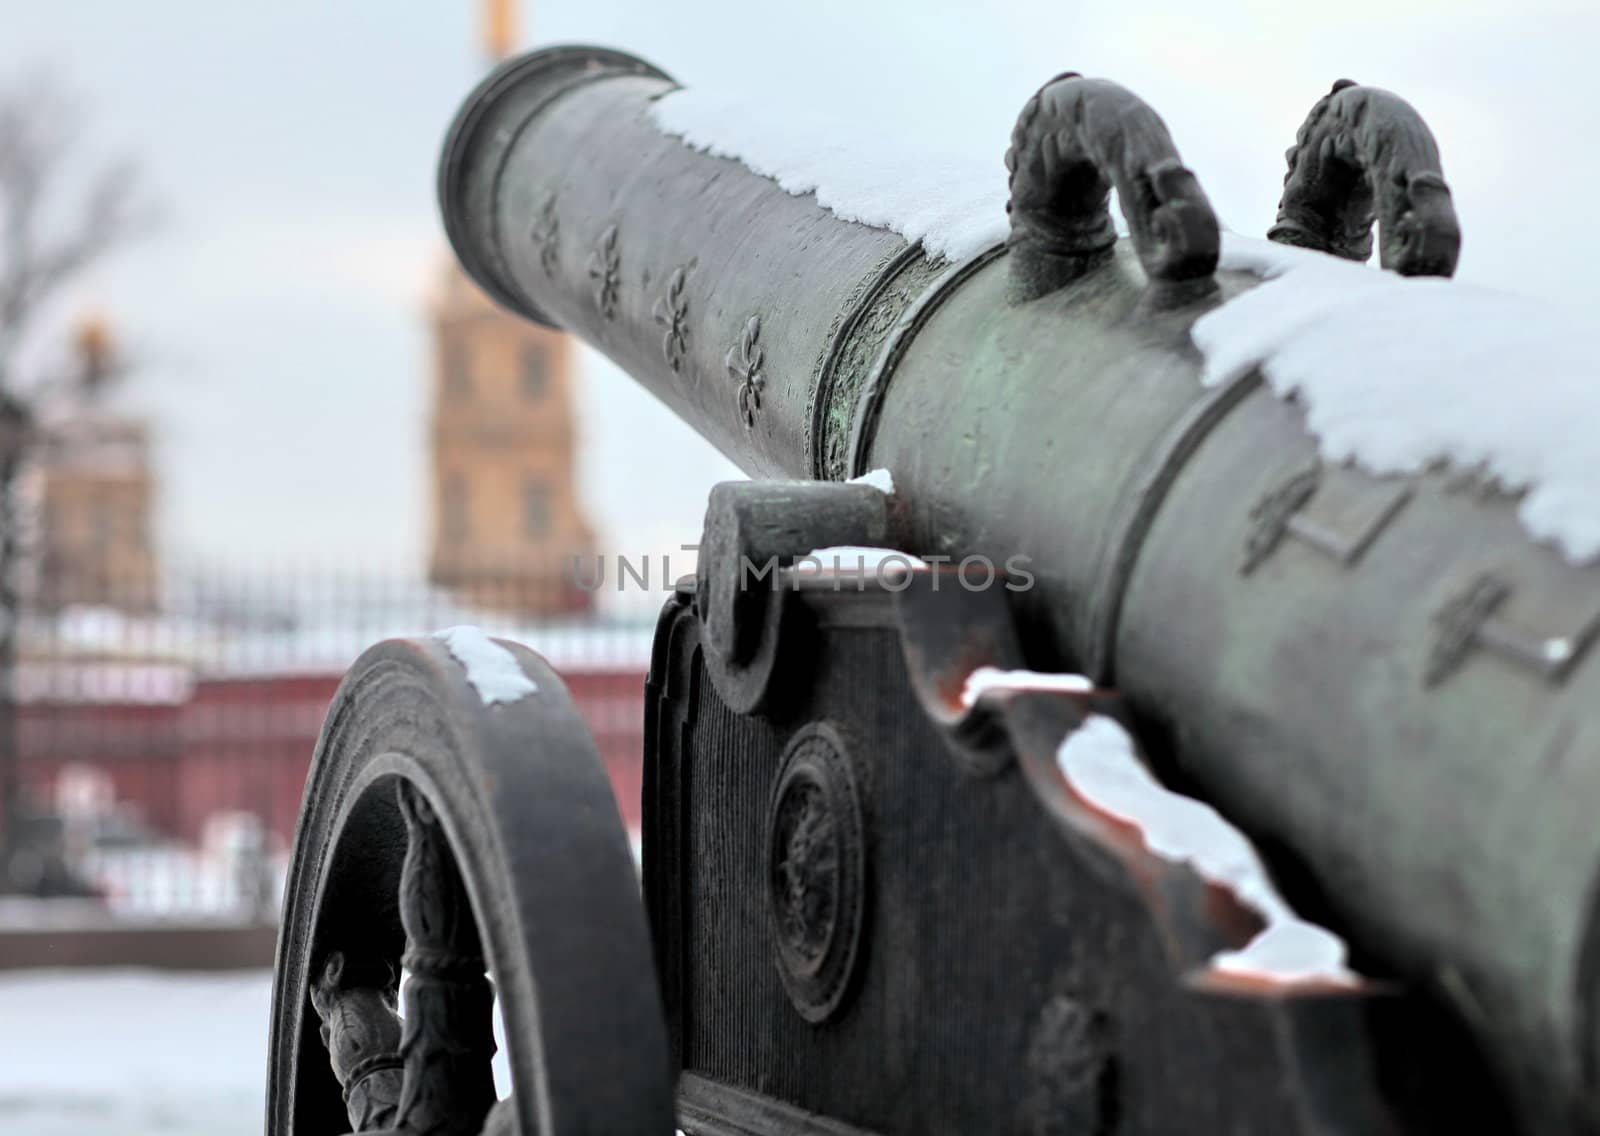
(1365, 154)
(1075, 140)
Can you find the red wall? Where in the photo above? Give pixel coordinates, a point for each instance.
(135, 744)
(246, 744)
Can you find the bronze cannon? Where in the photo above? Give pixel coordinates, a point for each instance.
(881, 897)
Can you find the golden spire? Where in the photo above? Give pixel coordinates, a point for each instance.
(499, 28)
(96, 348)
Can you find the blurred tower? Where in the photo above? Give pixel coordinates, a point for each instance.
(95, 495)
(95, 492)
(506, 518)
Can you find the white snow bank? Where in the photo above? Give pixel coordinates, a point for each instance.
(1398, 373)
(1099, 763)
(1395, 373)
(880, 479)
(984, 679)
(133, 1052)
(953, 204)
(491, 669)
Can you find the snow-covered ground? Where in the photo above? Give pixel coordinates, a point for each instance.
(132, 1052)
(141, 1053)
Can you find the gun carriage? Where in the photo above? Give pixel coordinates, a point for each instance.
(885, 890)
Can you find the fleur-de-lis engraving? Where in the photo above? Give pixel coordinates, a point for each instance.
(672, 313)
(744, 360)
(545, 232)
(605, 269)
(1269, 519)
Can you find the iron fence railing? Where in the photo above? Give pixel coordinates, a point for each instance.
(159, 749)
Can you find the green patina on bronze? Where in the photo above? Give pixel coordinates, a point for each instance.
(1434, 779)
(856, 350)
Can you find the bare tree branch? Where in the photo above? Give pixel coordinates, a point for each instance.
(48, 238)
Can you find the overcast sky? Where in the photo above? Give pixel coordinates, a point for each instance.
(293, 144)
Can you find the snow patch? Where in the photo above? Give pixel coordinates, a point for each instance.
(1398, 373)
(880, 479)
(491, 669)
(1100, 765)
(854, 558)
(985, 679)
(953, 205)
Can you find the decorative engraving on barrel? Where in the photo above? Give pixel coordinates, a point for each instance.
(815, 872)
(362, 1033)
(448, 1039)
(546, 232)
(1075, 140)
(860, 297)
(1269, 519)
(1071, 1072)
(672, 313)
(1364, 153)
(1456, 624)
(854, 350)
(1336, 512)
(869, 403)
(1474, 617)
(605, 269)
(745, 360)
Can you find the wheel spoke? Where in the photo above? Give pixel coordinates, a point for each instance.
(362, 1033)
(448, 1040)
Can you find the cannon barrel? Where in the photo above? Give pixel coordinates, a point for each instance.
(1383, 679)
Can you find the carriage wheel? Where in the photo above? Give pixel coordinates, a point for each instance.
(469, 836)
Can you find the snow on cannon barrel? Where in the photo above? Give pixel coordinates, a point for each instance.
(1329, 529)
